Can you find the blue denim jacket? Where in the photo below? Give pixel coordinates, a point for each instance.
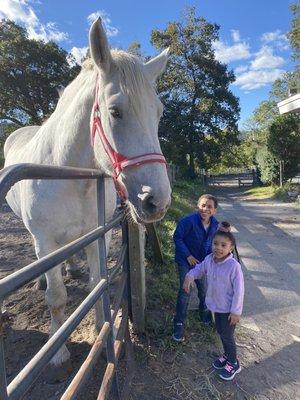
(191, 238)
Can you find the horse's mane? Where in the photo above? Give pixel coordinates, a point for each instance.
(134, 81)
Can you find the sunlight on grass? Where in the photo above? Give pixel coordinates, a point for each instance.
(266, 192)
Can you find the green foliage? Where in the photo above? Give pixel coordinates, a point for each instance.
(268, 165)
(294, 33)
(272, 192)
(284, 142)
(201, 113)
(135, 48)
(30, 73)
(7, 130)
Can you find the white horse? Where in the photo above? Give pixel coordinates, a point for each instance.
(57, 212)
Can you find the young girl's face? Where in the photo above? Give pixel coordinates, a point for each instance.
(221, 247)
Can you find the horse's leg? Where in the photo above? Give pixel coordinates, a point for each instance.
(56, 299)
(94, 267)
(72, 268)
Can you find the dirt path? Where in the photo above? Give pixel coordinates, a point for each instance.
(268, 235)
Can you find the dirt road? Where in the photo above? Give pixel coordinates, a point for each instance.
(268, 235)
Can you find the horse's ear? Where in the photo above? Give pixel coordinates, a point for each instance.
(157, 65)
(99, 46)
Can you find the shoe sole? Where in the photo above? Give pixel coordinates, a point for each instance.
(232, 376)
(177, 340)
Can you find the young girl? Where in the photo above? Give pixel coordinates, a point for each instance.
(224, 297)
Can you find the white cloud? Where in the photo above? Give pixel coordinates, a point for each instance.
(22, 13)
(277, 38)
(110, 30)
(265, 59)
(240, 69)
(226, 54)
(78, 53)
(251, 79)
(235, 35)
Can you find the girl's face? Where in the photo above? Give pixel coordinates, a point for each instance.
(221, 247)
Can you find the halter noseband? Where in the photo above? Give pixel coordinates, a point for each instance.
(118, 160)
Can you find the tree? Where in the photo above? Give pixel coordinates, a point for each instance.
(294, 33)
(30, 72)
(284, 143)
(268, 165)
(201, 112)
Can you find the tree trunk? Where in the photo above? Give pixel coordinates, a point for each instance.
(192, 173)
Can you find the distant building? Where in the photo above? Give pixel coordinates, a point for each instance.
(290, 105)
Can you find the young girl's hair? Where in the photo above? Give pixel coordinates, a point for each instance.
(227, 235)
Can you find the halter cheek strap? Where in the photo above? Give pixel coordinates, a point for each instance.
(118, 160)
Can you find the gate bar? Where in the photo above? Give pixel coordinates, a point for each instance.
(22, 382)
(117, 268)
(17, 172)
(84, 371)
(110, 371)
(103, 275)
(19, 278)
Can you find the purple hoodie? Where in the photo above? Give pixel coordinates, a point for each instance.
(225, 284)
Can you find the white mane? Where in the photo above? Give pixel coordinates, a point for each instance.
(134, 82)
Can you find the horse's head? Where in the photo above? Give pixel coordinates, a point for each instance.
(129, 111)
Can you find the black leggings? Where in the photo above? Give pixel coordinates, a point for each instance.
(226, 332)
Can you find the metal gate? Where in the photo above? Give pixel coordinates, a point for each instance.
(26, 377)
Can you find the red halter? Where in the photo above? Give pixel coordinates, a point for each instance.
(119, 161)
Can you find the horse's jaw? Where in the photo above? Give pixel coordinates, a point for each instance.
(139, 217)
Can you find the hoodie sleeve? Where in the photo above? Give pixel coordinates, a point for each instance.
(198, 270)
(238, 290)
(179, 235)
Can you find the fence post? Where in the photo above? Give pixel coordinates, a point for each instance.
(136, 244)
(154, 242)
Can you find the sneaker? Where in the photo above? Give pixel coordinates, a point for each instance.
(178, 332)
(230, 370)
(220, 362)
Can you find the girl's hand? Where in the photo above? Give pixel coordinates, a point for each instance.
(188, 283)
(234, 319)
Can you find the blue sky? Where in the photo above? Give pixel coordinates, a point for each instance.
(252, 32)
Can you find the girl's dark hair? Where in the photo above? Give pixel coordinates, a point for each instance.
(227, 235)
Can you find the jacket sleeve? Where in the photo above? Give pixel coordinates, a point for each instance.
(238, 291)
(198, 270)
(178, 237)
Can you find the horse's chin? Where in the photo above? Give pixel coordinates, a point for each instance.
(138, 217)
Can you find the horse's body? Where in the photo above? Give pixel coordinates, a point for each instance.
(57, 212)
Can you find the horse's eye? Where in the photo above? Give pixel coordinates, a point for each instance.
(115, 112)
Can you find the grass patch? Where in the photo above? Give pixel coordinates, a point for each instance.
(261, 192)
(162, 280)
(273, 192)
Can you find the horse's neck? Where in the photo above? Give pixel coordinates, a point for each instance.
(69, 127)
